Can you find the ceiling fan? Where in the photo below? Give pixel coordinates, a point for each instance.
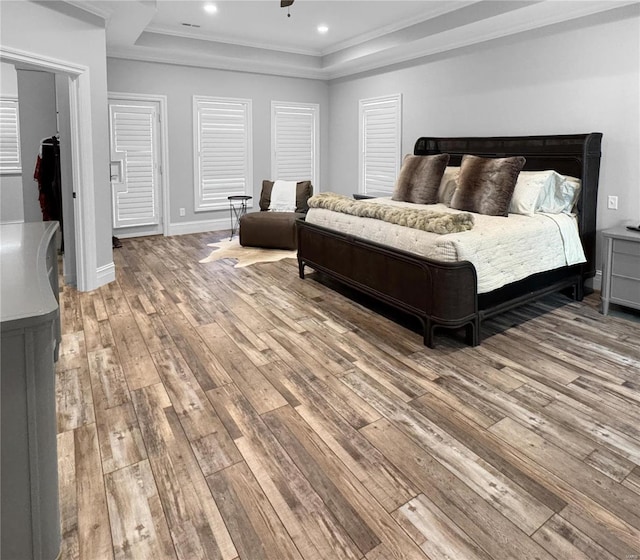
(286, 4)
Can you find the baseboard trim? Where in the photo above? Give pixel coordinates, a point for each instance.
(106, 274)
(131, 235)
(199, 227)
(146, 230)
(597, 281)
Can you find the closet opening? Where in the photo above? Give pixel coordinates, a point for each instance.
(72, 102)
(45, 154)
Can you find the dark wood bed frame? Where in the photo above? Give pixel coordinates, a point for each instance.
(445, 294)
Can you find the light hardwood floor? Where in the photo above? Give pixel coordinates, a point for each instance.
(207, 412)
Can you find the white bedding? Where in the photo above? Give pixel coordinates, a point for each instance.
(502, 250)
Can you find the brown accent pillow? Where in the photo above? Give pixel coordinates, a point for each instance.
(304, 191)
(485, 185)
(419, 178)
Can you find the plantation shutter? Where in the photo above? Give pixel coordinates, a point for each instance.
(223, 150)
(9, 137)
(294, 142)
(380, 144)
(133, 173)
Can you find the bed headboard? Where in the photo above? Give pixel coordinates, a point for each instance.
(577, 155)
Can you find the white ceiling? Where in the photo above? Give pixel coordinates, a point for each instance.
(257, 35)
(264, 24)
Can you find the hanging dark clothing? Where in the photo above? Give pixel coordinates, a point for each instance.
(47, 173)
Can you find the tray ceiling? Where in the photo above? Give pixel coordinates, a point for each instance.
(363, 35)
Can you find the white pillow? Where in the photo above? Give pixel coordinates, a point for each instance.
(544, 191)
(529, 188)
(559, 197)
(448, 185)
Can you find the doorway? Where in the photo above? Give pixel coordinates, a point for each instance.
(88, 275)
(37, 111)
(137, 168)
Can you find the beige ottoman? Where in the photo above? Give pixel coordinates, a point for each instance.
(274, 230)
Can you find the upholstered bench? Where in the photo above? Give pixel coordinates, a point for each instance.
(274, 230)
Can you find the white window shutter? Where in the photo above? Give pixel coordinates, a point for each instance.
(9, 137)
(223, 164)
(133, 145)
(294, 141)
(380, 144)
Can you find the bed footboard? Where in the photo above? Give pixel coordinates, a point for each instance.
(439, 294)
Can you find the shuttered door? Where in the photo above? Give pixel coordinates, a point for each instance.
(380, 148)
(133, 164)
(9, 137)
(294, 142)
(223, 159)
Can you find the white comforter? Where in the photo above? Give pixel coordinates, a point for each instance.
(502, 250)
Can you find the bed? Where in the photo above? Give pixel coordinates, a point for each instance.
(445, 294)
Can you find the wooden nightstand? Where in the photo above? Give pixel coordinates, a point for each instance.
(621, 268)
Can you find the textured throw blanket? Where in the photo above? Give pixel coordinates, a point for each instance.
(426, 220)
(283, 196)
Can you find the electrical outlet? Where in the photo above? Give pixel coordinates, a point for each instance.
(612, 203)
(183, 212)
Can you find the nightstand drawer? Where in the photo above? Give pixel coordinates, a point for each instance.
(626, 247)
(626, 265)
(625, 289)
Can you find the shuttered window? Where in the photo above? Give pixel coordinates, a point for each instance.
(133, 173)
(380, 144)
(223, 157)
(294, 141)
(9, 136)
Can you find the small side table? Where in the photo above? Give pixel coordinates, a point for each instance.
(620, 268)
(237, 209)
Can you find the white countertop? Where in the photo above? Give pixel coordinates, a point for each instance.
(25, 290)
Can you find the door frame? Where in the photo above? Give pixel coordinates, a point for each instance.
(81, 157)
(163, 152)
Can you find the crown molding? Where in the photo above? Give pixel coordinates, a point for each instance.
(162, 30)
(541, 15)
(536, 16)
(189, 50)
(92, 8)
(443, 9)
(218, 63)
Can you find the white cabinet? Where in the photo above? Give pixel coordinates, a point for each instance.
(30, 329)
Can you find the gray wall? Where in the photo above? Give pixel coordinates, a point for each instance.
(181, 83)
(11, 205)
(37, 95)
(562, 81)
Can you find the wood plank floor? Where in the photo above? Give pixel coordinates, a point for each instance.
(208, 412)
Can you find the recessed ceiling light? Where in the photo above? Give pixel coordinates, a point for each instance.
(322, 29)
(210, 8)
